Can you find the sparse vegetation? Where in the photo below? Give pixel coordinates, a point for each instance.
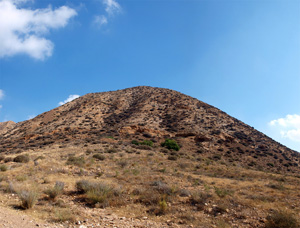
(282, 219)
(201, 176)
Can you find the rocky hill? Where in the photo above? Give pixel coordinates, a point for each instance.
(153, 114)
(144, 157)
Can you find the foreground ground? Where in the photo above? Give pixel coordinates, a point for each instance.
(120, 184)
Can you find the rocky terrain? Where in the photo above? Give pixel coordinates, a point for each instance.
(146, 157)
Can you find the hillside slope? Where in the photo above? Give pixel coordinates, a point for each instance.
(154, 114)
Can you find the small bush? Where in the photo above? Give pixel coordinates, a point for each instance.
(280, 219)
(78, 161)
(172, 157)
(135, 142)
(3, 168)
(64, 215)
(163, 207)
(7, 159)
(97, 193)
(170, 144)
(222, 192)
(100, 157)
(144, 147)
(57, 190)
(22, 158)
(199, 199)
(147, 143)
(28, 198)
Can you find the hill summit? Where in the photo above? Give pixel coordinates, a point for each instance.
(153, 114)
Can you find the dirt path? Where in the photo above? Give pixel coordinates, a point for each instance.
(15, 219)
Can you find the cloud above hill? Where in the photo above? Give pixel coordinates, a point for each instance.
(288, 126)
(70, 98)
(23, 30)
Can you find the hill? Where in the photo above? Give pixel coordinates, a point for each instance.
(155, 114)
(146, 157)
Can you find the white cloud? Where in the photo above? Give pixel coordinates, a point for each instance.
(22, 30)
(31, 117)
(1, 94)
(1, 106)
(70, 98)
(100, 20)
(112, 7)
(288, 126)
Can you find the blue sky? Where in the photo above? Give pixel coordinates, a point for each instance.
(242, 57)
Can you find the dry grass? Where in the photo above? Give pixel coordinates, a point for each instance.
(185, 191)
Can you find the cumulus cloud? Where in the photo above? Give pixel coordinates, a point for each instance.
(70, 98)
(100, 20)
(23, 30)
(1, 94)
(288, 126)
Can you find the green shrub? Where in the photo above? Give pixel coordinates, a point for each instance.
(163, 206)
(22, 158)
(281, 219)
(147, 143)
(170, 144)
(135, 142)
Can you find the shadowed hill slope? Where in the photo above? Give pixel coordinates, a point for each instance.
(147, 113)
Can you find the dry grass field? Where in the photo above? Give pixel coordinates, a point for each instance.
(71, 184)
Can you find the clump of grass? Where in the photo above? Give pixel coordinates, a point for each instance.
(78, 161)
(24, 158)
(21, 178)
(97, 193)
(100, 157)
(64, 215)
(281, 219)
(55, 191)
(163, 206)
(28, 198)
(222, 192)
(3, 168)
(172, 157)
